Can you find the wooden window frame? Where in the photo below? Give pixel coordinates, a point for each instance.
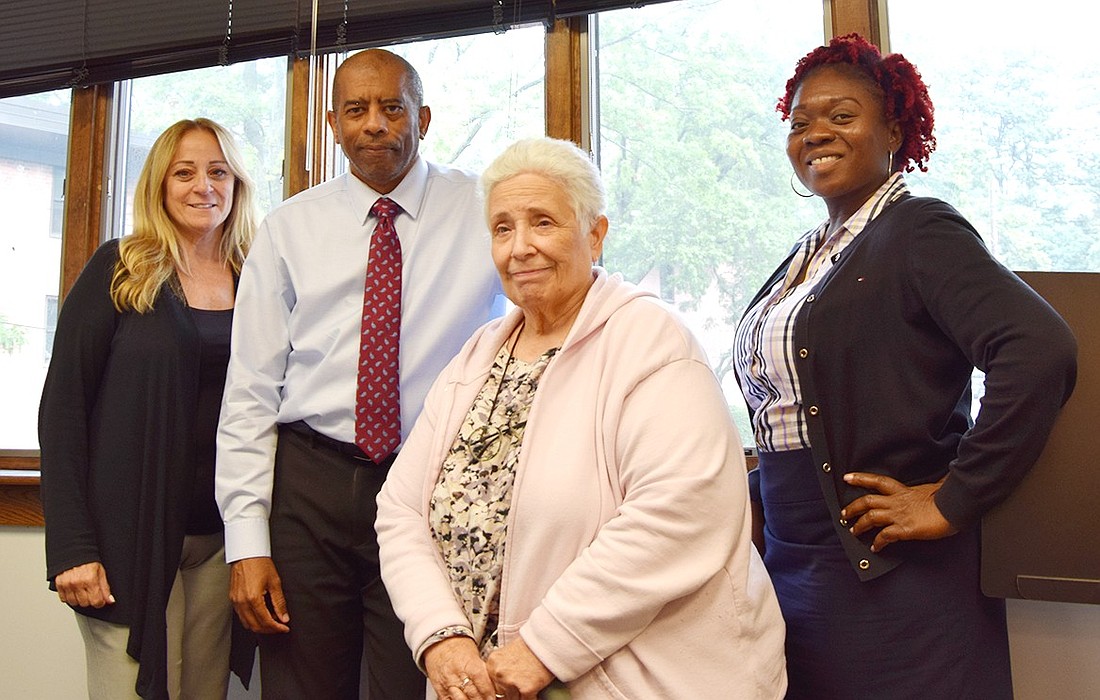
(566, 92)
(20, 503)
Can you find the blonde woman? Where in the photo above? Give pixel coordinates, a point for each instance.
(127, 423)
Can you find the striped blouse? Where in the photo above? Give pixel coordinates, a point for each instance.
(764, 341)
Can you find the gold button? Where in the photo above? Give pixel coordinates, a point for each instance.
(813, 410)
(826, 468)
(864, 564)
(803, 353)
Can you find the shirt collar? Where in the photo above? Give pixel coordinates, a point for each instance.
(886, 194)
(894, 187)
(409, 193)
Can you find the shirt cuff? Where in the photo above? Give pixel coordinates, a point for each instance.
(247, 538)
(445, 633)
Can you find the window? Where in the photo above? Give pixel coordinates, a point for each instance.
(57, 202)
(1017, 115)
(693, 155)
(1017, 102)
(34, 134)
(50, 326)
(249, 99)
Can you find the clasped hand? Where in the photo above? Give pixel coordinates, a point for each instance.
(456, 671)
(900, 512)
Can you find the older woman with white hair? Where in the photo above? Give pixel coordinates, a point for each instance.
(569, 517)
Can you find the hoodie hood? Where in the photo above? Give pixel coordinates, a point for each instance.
(608, 294)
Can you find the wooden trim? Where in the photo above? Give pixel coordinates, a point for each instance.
(20, 503)
(18, 459)
(295, 174)
(860, 16)
(311, 149)
(84, 181)
(565, 94)
(19, 477)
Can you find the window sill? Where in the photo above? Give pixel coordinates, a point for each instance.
(20, 503)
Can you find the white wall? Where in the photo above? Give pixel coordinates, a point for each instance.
(41, 654)
(1055, 646)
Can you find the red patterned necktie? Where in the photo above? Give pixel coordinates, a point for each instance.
(377, 403)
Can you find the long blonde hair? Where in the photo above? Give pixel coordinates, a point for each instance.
(150, 255)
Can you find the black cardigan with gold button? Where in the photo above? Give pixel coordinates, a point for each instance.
(885, 347)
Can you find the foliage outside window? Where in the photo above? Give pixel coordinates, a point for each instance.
(693, 155)
(1017, 122)
(248, 99)
(1017, 126)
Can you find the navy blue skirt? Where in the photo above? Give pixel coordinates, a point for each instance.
(923, 630)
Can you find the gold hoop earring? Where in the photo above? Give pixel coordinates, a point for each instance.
(795, 189)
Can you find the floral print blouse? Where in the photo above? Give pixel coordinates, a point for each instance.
(469, 508)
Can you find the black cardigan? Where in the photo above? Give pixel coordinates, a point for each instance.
(885, 346)
(115, 427)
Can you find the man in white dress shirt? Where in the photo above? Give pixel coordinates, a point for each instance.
(297, 496)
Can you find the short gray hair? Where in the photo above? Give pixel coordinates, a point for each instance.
(557, 160)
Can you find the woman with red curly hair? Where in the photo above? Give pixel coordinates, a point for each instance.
(855, 359)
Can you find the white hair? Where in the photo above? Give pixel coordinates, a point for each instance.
(557, 160)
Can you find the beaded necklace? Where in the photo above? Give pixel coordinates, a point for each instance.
(485, 442)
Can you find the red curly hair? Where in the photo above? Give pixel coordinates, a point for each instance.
(904, 94)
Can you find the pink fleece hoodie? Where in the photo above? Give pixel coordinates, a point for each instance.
(629, 570)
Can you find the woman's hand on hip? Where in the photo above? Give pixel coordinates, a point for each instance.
(517, 672)
(84, 586)
(900, 512)
(456, 671)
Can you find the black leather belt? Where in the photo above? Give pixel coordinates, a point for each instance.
(346, 449)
